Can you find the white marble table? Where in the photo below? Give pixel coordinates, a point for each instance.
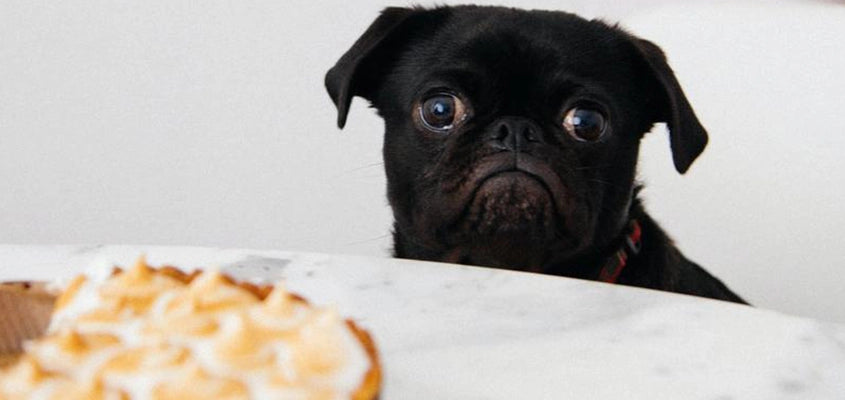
(455, 332)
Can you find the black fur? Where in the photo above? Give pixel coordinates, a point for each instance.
(508, 187)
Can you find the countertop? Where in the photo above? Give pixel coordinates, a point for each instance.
(457, 332)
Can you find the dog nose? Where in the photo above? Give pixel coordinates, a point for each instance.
(513, 134)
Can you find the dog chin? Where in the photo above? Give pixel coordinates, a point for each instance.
(511, 204)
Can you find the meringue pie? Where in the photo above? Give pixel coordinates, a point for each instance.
(161, 334)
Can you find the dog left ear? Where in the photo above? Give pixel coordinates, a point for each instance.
(359, 70)
(686, 135)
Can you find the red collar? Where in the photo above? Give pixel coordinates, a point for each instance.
(633, 243)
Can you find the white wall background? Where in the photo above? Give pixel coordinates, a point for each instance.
(206, 123)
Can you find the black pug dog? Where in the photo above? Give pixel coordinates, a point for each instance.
(512, 139)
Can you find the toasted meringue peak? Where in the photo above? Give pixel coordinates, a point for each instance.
(211, 291)
(70, 292)
(21, 379)
(279, 302)
(241, 344)
(139, 273)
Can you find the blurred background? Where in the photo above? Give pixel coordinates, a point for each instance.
(206, 123)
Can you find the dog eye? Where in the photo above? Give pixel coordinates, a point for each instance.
(441, 112)
(584, 124)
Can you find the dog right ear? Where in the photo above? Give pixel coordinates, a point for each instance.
(358, 71)
(686, 135)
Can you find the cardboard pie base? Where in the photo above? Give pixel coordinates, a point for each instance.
(25, 309)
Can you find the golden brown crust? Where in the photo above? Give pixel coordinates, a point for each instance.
(369, 388)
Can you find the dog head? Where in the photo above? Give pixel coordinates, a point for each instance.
(511, 136)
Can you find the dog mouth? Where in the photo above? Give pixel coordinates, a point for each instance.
(517, 196)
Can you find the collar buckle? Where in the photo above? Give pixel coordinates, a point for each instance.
(634, 239)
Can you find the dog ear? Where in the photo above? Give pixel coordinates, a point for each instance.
(686, 135)
(357, 71)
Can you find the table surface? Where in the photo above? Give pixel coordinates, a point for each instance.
(458, 332)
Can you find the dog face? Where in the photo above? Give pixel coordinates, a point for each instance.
(511, 136)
